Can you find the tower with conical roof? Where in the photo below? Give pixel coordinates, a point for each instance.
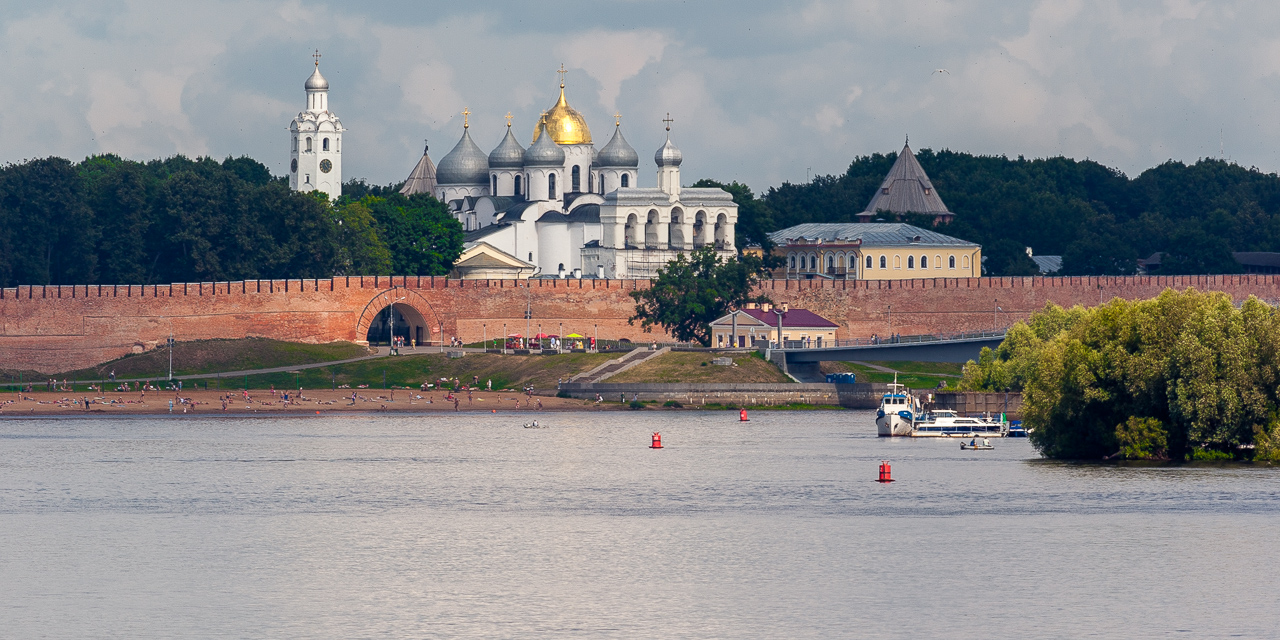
(423, 177)
(316, 159)
(907, 189)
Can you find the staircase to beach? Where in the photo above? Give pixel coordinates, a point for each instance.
(614, 367)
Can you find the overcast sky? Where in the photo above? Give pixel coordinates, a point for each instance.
(761, 92)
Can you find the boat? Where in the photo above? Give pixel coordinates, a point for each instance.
(897, 412)
(533, 425)
(945, 423)
(974, 445)
(1016, 429)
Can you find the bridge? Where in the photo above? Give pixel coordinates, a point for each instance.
(802, 361)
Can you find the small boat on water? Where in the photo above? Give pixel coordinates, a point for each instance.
(898, 411)
(974, 445)
(533, 425)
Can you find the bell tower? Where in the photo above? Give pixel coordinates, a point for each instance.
(316, 138)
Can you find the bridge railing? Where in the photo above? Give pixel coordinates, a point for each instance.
(899, 339)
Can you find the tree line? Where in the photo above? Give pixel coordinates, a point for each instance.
(1099, 220)
(1186, 375)
(110, 220)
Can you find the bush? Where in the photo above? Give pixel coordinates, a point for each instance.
(673, 404)
(636, 404)
(1142, 439)
(1210, 455)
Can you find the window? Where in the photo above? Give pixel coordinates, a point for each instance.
(551, 186)
(853, 261)
(882, 263)
(951, 262)
(295, 143)
(517, 185)
(924, 262)
(602, 184)
(324, 144)
(591, 182)
(530, 256)
(911, 262)
(793, 261)
(576, 178)
(897, 262)
(937, 262)
(626, 181)
(308, 144)
(869, 262)
(493, 185)
(831, 262)
(966, 262)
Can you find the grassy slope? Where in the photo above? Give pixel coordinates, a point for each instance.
(686, 366)
(506, 371)
(917, 375)
(210, 356)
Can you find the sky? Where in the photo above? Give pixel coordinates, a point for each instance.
(762, 92)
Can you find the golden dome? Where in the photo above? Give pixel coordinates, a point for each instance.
(565, 124)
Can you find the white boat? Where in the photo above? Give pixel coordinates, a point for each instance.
(944, 423)
(898, 410)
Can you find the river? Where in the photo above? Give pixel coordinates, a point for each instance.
(469, 525)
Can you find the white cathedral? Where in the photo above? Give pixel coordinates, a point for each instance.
(562, 208)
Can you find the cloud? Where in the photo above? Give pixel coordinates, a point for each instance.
(612, 57)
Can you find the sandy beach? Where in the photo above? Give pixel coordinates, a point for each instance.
(306, 402)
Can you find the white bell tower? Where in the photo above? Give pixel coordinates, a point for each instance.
(316, 159)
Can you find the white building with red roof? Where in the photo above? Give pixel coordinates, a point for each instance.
(762, 323)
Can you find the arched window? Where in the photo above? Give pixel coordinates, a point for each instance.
(813, 262)
(493, 190)
(518, 185)
(868, 262)
(937, 262)
(882, 262)
(897, 262)
(924, 262)
(793, 261)
(602, 184)
(626, 181)
(308, 144)
(853, 261)
(551, 186)
(295, 143)
(591, 182)
(965, 262)
(951, 262)
(911, 262)
(576, 179)
(324, 144)
(831, 262)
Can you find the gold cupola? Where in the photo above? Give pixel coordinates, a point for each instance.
(563, 122)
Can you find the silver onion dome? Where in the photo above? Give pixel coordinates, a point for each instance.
(317, 82)
(618, 153)
(508, 154)
(668, 155)
(465, 164)
(543, 152)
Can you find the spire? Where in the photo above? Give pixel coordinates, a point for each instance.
(906, 189)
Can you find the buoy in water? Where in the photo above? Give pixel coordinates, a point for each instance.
(742, 415)
(657, 441)
(886, 472)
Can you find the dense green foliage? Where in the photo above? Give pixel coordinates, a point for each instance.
(110, 220)
(692, 291)
(1182, 376)
(1100, 221)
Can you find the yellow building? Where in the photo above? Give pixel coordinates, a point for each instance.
(746, 328)
(872, 251)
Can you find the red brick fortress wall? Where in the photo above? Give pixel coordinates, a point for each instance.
(57, 328)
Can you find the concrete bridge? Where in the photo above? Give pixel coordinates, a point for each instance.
(803, 363)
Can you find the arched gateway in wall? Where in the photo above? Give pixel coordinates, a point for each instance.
(420, 318)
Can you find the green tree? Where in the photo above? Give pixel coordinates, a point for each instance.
(419, 232)
(690, 292)
(360, 250)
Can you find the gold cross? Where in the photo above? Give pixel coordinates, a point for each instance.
(617, 119)
(561, 71)
(465, 112)
(668, 120)
(509, 117)
(316, 55)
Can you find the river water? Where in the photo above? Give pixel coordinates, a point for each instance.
(471, 526)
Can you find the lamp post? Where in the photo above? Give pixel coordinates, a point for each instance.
(995, 315)
(504, 337)
(484, 333)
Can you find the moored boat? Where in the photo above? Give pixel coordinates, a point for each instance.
(944, 423)
(898, 411)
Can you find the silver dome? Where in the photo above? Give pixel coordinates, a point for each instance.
(508, 154)
(543, 152)
(618, 153)
(317, 82)
(465, 164)
(668, 155)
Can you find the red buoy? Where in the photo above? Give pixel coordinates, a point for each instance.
(886, 472)
(742, 415)
(657, 441)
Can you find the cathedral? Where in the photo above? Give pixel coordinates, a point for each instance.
(562, 208)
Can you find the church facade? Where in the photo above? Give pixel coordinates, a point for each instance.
(562, 208)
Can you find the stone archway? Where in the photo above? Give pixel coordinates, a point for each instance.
(421, 320)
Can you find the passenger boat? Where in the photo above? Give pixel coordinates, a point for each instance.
(898, 411)
(944, 423)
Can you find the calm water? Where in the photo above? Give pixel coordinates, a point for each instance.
(470, 526)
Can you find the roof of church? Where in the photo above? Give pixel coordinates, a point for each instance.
(465, 164)
(482, 232)
(564, 123)
(584, 213)
(508, 154)
(317, 82)
(423, 177)
(906, 189)
(617, 153)
(544, 151)
(892, 234)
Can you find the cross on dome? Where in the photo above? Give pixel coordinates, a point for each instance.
(466, 112)
(617, 119)
(668, 120)
(316, 55)
(509, 117)
(562, 71)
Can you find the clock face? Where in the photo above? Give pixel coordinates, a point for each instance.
(326, 166)
(293, 166)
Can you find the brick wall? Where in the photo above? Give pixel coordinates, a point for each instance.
(56, 328)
